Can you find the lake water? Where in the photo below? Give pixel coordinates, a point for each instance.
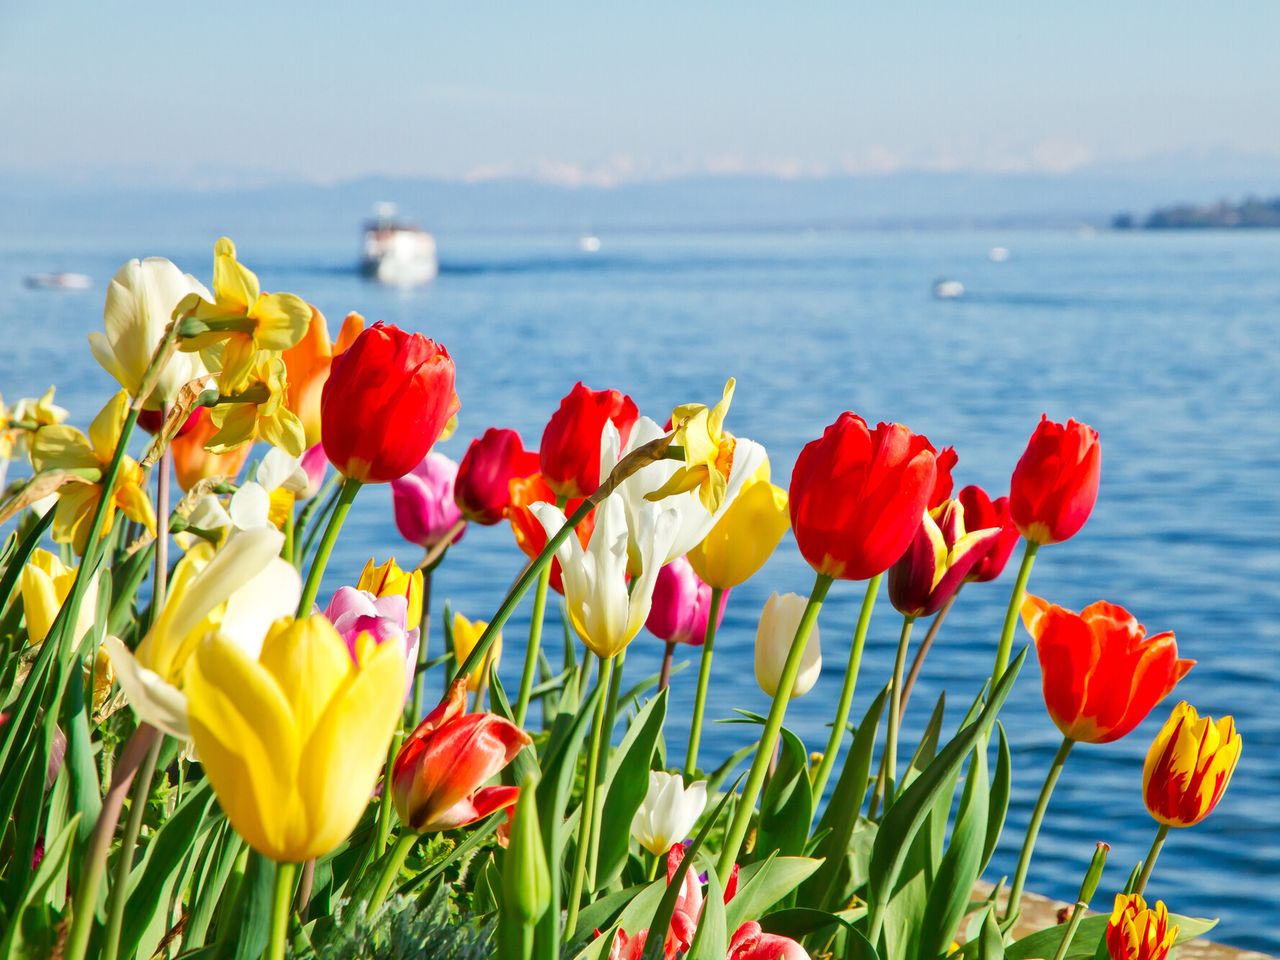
(1167, 344)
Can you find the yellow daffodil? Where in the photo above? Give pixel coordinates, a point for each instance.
(746, 534)
(465, 635)
(293, 740)
(241, 321)
(237, 591)
(387, 580)
(45, 583)
(708, 452)
(258, 412)
(19, 422)
(60, 447)
(140, 302)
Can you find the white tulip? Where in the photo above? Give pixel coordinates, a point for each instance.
(777, 630)
(140, 303)
(669, 811)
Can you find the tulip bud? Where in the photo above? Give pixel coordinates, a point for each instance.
(1189, 766)
(746, 534)
(387, 399)
(778, 625)
(526, 880)
(681, 605)
(569, 454)
(387, 579)
(45, 584)
(1093, 875)
(423, 500)
(1055, 484)
(669, 811)
(482, 488)
(1137, 933)
(940, 557)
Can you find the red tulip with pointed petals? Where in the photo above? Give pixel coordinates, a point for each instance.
(980, 512)
(570, 451)
(1055, 484)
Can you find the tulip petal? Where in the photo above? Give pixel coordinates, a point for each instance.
(152, 699)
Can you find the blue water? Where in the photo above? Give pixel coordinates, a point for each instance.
(1167, 344)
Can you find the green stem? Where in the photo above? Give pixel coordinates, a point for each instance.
(391, 869)
(1033, 827)
(602, 762)
(526, 580)
(117, 895)
(534, 645)
(737, 831)
(895, 713)
(587, 811)
(420, 669)
(917, 662)
(281, 898)
(1149, 863)
(1015, 608)
(384, 802)
(346, 495)
(845, 703)
(704, 680)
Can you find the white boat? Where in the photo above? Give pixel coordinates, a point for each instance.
(998, 254)
(58, 281)
(397, 251)
(948, 289)
(589, 243)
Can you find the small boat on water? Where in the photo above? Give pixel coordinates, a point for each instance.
(589, 243)
(944, 289)
(998, 254)
(397, 251)
(58, 281)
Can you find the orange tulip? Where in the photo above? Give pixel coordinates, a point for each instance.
(1136, 933)
(193, 463)
(1102, 673)
(1189, 766)
(308, 362)
(438, 776)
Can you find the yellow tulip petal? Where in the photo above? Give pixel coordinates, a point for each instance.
(310, 664)
(40, 601)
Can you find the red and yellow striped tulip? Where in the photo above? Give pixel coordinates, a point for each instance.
(1189, 766)
(1135, 932)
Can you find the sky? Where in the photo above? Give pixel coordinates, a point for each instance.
(593, 93)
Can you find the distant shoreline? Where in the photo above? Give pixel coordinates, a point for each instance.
(1252, 213)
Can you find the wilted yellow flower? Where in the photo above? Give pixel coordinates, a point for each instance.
(466, 633)
(708, 451)
(241, 321)
(293, 740)
(60, 447)
(388, 580)
(258, 411)
(45, 583)
(746, 534)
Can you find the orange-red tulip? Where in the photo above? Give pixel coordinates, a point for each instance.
(438, 776)
(858, 496)
(943, 484)
(1137, 933)
(1102, 673)
(387, 399)
(530, 535)
(981, 512)
(1189, 766)
(482, 489)
(1055, 484)
(570, 451)
(193, 463)
(307, 363)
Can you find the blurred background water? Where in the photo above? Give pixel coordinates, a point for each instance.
(1166, 343)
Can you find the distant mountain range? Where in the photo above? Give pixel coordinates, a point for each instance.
(31, 209)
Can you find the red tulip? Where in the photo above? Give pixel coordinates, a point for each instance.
(750, 942)
(530, 535)
(482, 489)
(1055, 484)
(942, 555)
(387, 399)
(980, 512)
(858, 496)
(681, 605)
(1102, 673)
(570, 450)
(947, 459)
(436, 781)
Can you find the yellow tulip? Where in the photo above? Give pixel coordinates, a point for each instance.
(465, 635)
(388, 580)
(293, 741)
(60, 447)
(746, 534)
(708, 452)
(1189, 766)
(45, 583)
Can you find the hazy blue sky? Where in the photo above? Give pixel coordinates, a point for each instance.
(591, 92)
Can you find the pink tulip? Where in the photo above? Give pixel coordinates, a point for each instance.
(752, 943)
(681, 605)
(438, 776)
(425, 511)
(314, 463)
(353, 612)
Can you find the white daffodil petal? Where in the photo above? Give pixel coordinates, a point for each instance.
(250, 507)
(154, 701)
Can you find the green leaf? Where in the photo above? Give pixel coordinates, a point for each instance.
(243, 935)
(905, 818)
(991, 940)
(52, 869)
(525, 764)
(625, 786)
(786, 808)
(1045, 943)
(209, 884)
(999, 804)
(961, 864)
(764, 883)
(721, 773)
(824, 889)
(711, 941)
(632, 918)
(634, 694)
